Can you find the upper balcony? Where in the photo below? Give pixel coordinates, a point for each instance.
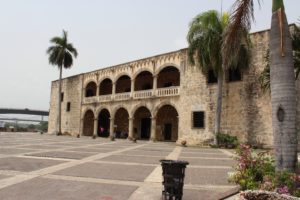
(144, 85)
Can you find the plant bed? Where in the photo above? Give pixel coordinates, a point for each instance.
(263, 195)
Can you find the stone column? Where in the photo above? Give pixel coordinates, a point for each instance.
(81, 127)
(130, 128)
(113, 90)
(154, 84)
(95, 127)
(97, 90)
(132, 88)
(153, 129)
(111, 127)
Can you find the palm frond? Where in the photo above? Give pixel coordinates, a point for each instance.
(61, 53)
(239, 22)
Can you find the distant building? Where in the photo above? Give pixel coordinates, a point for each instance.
(164, 98)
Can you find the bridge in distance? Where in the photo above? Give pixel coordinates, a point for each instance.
(24, 111)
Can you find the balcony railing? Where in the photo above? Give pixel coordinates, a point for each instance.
(104, 98)
(122, 96)
(172, 91)
(144, 94)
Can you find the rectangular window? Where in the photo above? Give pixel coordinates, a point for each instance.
(198, 119)
(62, 97)
(211, 77)
(68, 106)
(234, 75)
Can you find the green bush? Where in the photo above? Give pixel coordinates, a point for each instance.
(257, 171)
(227, 141)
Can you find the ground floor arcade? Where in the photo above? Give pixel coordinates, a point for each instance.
(140, 122)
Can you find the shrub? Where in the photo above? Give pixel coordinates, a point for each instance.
(227, 141)
(257, 171)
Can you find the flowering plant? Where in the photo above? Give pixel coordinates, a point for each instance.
(257, 171)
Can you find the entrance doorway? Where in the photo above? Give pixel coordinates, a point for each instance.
(103, 123)
(168, 131)
(145, 128)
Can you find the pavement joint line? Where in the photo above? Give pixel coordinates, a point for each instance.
(123, 163)
(205, 158)
(210, 167)
(42, 158)
(149, 156)
(155, 177)
(52, 169)
(93, 180)
(38, 151)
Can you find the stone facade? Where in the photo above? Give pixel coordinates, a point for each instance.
(156, 97)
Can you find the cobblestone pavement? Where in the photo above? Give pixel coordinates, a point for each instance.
(48, 167)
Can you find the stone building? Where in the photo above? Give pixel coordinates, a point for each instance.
(164, 98)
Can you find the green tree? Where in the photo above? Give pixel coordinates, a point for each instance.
(61, 54)
(283, 89)
(264, 78)
(205, 38)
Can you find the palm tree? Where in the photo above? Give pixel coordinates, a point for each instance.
(61, 54)
(283, 90)
(205, 38)
(264, 78)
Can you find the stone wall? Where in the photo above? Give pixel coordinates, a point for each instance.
(246, 109)
(70, 121)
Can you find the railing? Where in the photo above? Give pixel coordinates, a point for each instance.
(90, 99)
(122, 96)
(103, 98)
(171, 91)
(143, 94)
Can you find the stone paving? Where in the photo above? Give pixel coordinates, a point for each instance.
(48, 167)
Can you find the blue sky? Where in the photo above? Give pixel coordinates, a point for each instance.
(105, 33)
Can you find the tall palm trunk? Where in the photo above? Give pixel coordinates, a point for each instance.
(219, 107)
(283, 91)
(58, 117)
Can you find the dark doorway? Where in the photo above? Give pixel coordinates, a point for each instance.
(168, 131)
(145, 128)
(103, 123)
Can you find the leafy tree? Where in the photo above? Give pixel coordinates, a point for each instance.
(283, 90)
(205, 38)
(61, 54)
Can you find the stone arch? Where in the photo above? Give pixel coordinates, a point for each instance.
(141, 70)
(167, 123)
(168, 76)
(99, 109)
(142, 123)
(163, 103)
(87, 109)
(143, 81)
(103, 122)
(120, 75)
(86, 82)
(134, 109)
(115, 109)
(161, 67)
(105, 86)
(88, 123)
(123, 84)
(121, 122)
(90, 89)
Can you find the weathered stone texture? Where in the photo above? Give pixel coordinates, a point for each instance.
(72, 89)
(246, 109)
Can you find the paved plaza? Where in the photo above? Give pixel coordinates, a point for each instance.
(48, 167)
